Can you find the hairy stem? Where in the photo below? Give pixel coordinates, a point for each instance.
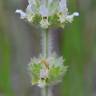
(50, 43)
(46, 43)
(50, 91)
(43, 91)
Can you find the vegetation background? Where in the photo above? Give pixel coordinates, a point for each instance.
(19, 41)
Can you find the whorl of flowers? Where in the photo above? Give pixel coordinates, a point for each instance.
(47, 13)
(47, 71)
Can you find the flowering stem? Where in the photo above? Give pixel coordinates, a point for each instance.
(43, 91)
(50, 43)
(50, 91)
(45, 43)
(46, 91)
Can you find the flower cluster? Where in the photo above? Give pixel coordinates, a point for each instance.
(47, 13)
(47, 71)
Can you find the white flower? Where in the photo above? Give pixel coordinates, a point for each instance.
(43, 73)
(69, 18)
(63, 13)
(44, 11)
(22, 14)
(29, 14)
(48, 7)
(44, 22)
(29, 9)
(32, 2)
(62, 5)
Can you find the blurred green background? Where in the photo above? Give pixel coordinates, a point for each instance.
(19, 41)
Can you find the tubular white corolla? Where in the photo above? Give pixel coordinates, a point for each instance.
(62, 5)
(22, 14)
(69, 18)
